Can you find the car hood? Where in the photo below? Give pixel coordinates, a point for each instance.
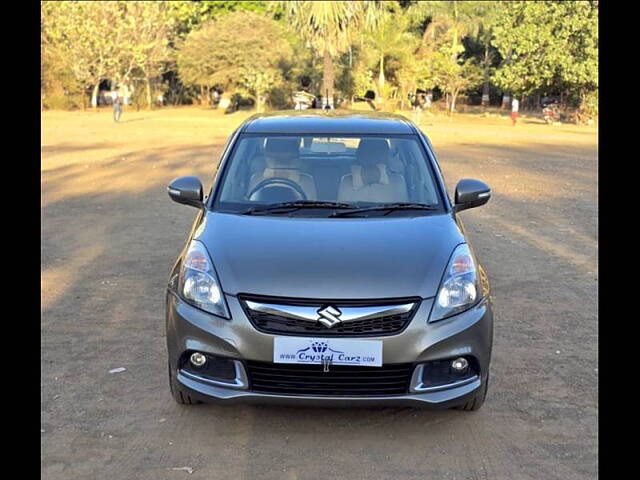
(330, 258)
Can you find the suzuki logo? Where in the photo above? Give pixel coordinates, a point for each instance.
(329, 316)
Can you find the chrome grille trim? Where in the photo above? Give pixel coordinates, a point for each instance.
(310, 313)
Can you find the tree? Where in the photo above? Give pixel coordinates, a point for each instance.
(56, 76)
(356, 76)
(488, 13)
(552, 45)
(146, 34)
(240, 50)
(453, 75)
(328, 27)
(412, 74)
(190, 15)
(443, 24)
(117, 41)
(452, 17)
(258, 82)
(389, 37)
(84, 36)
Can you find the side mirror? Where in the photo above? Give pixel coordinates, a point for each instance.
(186, 190)
(471, 193)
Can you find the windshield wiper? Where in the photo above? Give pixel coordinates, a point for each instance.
(296, 205)
(387, 206)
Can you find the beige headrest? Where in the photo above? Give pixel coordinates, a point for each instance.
(282, 152)
(371, 151)
(362, 175)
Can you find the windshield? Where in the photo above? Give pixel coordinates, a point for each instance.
(313, 173)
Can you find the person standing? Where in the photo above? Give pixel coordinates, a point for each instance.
(515, 105)
(117, 105)
(215, 97)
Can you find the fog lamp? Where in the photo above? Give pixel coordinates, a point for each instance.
(197, 359)
(460, 364)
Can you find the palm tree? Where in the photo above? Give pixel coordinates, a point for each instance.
(488, 15)
(390, 37)
(455, 17)
(452, 19)
(328, 26)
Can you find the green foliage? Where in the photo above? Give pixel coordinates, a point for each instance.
(63, 102)
(301, 62)
(330, 25)
(279, 97)
(453, 75)
(261, 48)
(389, 38)
(82, 38)
(449, 19)
(588, 109)
(94, 41)
(356, 76)
(222, 7)
(189, 15)
(548, 44)
(241, 50)
(258, 82)
(345, 81)
(147, 31)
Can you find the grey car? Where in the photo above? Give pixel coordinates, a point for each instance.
(328, 267)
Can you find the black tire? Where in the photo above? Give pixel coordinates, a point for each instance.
(478, 400)
(178, 394)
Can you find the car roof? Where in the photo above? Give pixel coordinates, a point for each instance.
(338, 122)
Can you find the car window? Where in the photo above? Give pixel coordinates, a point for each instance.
(356, 170)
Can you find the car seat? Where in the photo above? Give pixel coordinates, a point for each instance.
(371, 179)
(282, 158)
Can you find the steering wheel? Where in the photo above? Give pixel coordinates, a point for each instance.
(278, 181)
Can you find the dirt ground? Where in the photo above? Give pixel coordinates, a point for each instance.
(110, 235)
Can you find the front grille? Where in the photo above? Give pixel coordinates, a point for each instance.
(340, 380)
(380, 326)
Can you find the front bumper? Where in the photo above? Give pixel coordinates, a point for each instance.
(467, 334)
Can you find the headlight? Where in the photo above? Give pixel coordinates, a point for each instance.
(198, 283)
(459, 289)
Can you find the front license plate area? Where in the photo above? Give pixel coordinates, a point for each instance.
(323, 351)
